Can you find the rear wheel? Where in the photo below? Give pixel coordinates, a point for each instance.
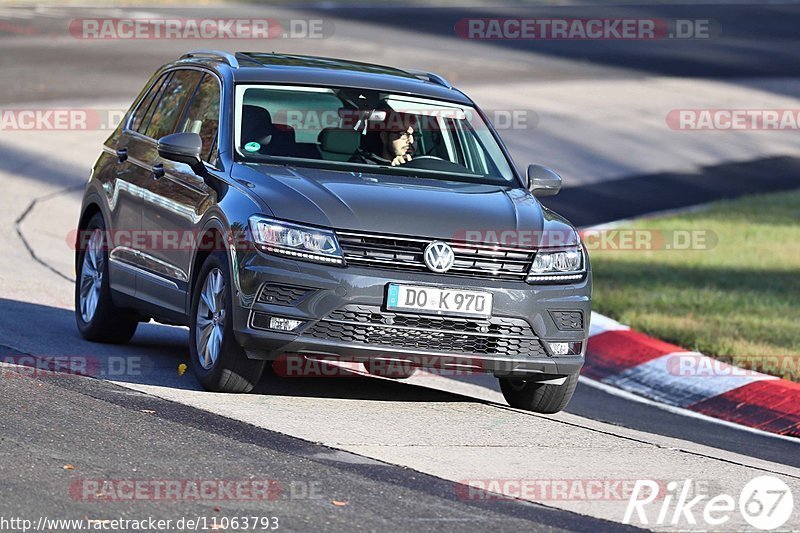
(219, 363)
(97, 318)
(538, 397)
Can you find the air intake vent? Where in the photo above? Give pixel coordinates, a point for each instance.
(568, 320)
(282, 294)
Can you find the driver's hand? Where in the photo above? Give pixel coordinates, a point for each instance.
(401, 159)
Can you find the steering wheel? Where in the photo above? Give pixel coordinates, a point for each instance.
(426, 157)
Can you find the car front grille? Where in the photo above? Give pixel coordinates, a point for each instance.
(370, 325)
(406, 253)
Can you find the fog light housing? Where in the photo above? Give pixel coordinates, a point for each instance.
(560, 349)
(284, 324)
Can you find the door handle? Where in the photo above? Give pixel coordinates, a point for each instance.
(158, 171)
(122, 154)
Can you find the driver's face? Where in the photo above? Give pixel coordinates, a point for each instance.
(400, 142)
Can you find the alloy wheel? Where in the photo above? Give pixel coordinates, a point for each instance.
(210, 319)
(91, 276)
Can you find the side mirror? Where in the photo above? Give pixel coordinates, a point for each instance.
(543, 181)
(183, 148)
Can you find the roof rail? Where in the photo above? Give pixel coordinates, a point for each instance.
(227, 57)
(431, 77)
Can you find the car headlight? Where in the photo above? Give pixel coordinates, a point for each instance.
(557, 265)
(295, 240)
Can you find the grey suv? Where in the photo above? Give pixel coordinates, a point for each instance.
(287, 206)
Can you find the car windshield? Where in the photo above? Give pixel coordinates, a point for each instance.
(369, 131)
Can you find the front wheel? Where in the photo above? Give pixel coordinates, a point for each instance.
(218, 361)
(538, 397)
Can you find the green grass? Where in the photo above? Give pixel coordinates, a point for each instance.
(739, 297)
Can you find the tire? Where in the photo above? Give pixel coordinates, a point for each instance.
(220, 365)
(97, 318)
(538, 397)
(389, 369)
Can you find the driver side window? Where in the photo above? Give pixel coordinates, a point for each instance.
(202, 116)
(170, 106)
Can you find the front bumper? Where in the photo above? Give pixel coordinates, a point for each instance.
(516, 343)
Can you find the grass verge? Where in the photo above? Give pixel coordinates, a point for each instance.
(724, 280)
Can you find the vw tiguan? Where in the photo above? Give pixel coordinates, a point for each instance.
(327, 209)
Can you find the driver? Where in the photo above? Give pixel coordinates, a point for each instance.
(396, 141)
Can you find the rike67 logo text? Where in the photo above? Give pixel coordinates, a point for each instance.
(766, 503)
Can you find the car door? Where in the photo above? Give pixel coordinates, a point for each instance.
(176, 198)
(130, 181)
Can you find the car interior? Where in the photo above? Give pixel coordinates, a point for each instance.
(342, 125)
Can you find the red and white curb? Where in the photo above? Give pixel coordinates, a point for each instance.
(624, 359)
(632, 365)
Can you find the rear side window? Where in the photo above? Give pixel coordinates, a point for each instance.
(173, 98)
(140, 116)
(202, 116)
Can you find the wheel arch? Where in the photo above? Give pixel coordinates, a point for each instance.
(213, 231)
(90, 209)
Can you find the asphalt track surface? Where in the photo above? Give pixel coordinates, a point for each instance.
(327, 433)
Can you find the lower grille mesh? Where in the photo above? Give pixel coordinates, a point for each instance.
(370, 325)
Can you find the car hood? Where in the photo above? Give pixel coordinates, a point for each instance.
(401, 205)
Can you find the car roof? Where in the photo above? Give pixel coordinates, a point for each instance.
(262, 67)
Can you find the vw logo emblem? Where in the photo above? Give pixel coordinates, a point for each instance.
(439, 257)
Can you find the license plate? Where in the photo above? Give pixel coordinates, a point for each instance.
(439, 301)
